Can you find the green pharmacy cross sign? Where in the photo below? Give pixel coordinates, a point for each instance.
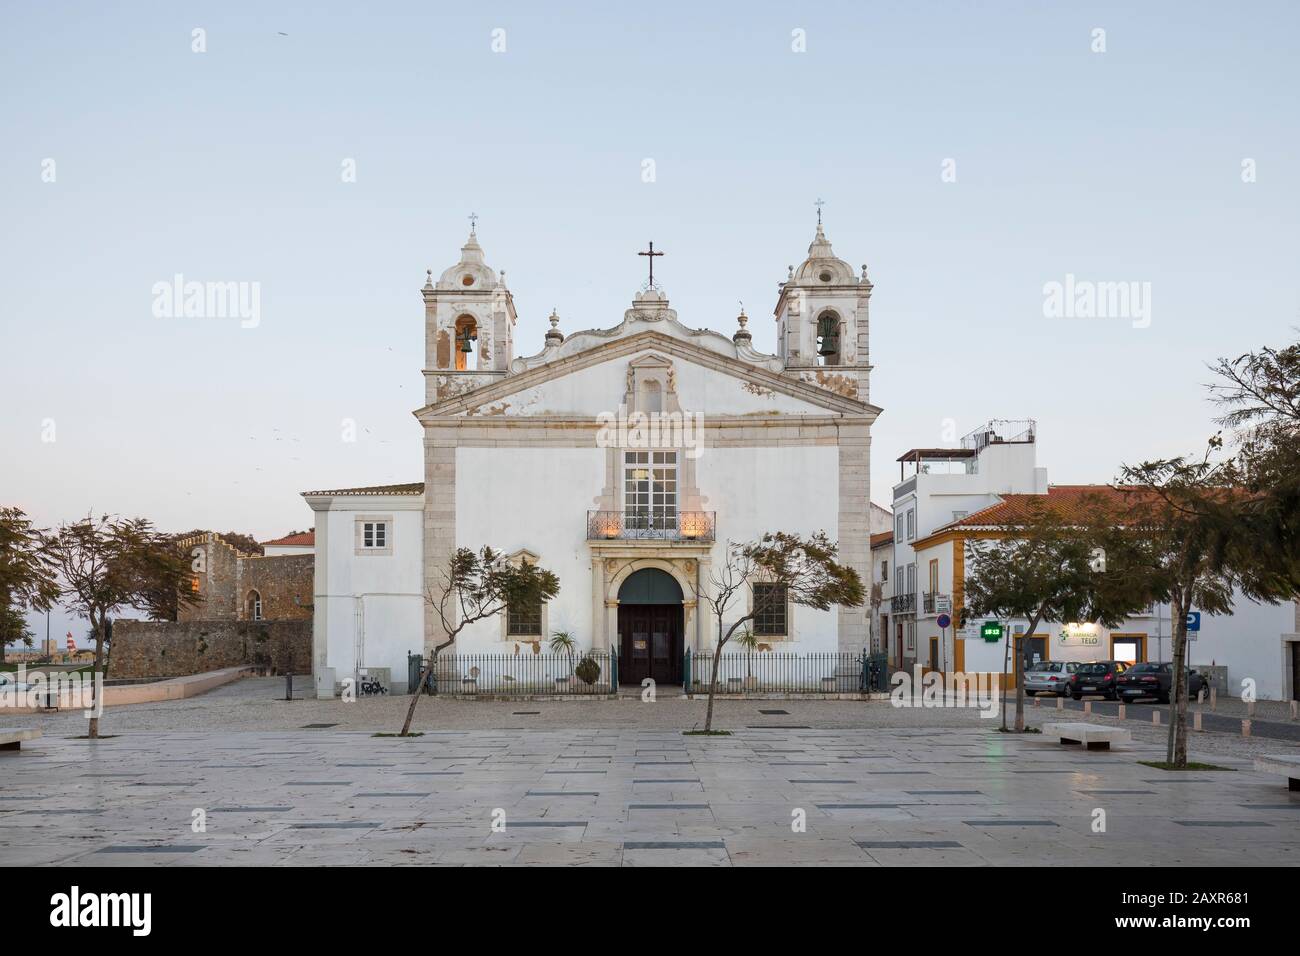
(991, 631)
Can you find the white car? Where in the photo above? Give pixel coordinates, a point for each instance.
(1049, 677)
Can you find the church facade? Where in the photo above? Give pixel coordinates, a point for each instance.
(624, 459)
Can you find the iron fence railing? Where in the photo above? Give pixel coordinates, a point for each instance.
(902, 603)
(524, 674)
(774, 672)
(659, 525)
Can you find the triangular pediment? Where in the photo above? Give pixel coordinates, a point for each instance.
(592, 381)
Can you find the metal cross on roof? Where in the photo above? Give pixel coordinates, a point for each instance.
(652, 255)
(819, 203)
(473, 221)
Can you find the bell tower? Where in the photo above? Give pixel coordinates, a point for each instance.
(469, 320)
(822, 321)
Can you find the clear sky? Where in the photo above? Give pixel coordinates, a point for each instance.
(226, 165)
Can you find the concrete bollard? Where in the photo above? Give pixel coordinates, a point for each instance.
(1245, 728)
(1087, 707)
(1060, 705)
(1037, 702)
(1155, 717)
(1250, 709)
(1295, 709)
(1123, 712)
(1214, 699)
(1196, 721)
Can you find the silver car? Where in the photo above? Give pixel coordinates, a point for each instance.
(1049, 677)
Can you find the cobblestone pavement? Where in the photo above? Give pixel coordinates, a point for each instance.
(617, 783)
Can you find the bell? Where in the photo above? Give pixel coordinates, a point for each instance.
(828, 336)
(466, 339)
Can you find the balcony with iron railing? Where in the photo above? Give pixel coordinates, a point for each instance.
(902, 604)
(687, 526)
(927, 602)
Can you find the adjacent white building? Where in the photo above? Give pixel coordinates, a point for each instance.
(962, 495)
(621, 458)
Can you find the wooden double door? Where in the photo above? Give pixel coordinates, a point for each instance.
(650, 643)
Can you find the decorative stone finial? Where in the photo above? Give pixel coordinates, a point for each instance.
(428, 281)
(553, 334)
(742, 336)
(789, 273)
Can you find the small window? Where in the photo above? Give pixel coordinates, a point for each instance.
(194, 583)
(884, 570)
(911, 523)
(769, 609)
(374, 534)
(524, 620)
(254, 606)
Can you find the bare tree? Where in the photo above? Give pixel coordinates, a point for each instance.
(474, 586)
(803, 570)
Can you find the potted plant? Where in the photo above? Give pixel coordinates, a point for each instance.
(562, 642)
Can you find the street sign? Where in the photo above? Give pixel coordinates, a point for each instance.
(991, 631)
(1193, 620)
(944, 621)
(943, 604)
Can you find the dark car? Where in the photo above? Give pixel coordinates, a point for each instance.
(1155, 680)
(1097, 677)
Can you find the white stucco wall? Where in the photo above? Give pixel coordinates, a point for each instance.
(590, 391)
(377, 598)
(537, 499)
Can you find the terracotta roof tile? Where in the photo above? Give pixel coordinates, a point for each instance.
(301, 539)
(1068, 500)
(413, 488)
(884, 537)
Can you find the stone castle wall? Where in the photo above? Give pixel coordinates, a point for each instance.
(178, 649)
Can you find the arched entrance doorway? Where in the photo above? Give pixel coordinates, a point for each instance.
(650, 628)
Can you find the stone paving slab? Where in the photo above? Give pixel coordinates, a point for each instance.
(863, 797)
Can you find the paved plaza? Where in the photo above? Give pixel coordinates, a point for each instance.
(925, 794)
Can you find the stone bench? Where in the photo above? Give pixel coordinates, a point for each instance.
(1092, 736)
(11, 738)
(1284, 764)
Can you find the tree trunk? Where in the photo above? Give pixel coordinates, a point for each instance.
(419, 689)
(713, 680)
(1006, 666)
(1177, 747)
(93, 731)
(1020, 673)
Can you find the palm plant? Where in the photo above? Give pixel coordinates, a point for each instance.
(562, 642)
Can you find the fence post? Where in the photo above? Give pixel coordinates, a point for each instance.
(686, 671)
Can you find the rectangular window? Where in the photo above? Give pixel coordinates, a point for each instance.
(911, 579)
(934, 577)
(374, 534)
(884, 570)
(911, 523)
(650, 490)
(769, 609)
(524, 620)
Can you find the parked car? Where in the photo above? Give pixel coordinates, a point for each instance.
(1156, 680)
(9, 685)
(1097, 677)
(1049, 677)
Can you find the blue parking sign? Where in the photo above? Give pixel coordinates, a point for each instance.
(1193, 620)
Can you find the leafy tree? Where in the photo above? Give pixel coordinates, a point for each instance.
(108, 564)
(474, 586)
(1175, 540)
(27, 577)
(804, 567)
(1046, 569)
(1259, 393)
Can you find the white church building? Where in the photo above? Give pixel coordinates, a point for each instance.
(623, 459)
